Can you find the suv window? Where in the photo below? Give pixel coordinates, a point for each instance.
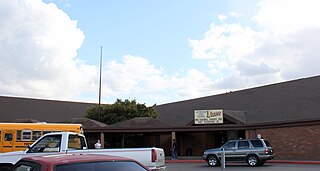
(243, 144)
(256, 143)
(267, 143)
(230, 145)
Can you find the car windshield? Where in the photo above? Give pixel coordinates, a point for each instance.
(101, 166)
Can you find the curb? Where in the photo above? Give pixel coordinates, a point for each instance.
(269, 161)
(293, 161)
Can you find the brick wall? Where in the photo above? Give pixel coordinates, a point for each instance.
(301, 142)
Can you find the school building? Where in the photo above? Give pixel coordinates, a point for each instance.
(287, 114)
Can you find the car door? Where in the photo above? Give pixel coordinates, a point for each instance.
(243, 147)
(7, 141)
(229, 150)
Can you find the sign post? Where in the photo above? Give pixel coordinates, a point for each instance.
(223, 159)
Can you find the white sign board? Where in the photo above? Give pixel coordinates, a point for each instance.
(208, 116)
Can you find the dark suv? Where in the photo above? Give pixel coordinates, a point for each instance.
(253, 151)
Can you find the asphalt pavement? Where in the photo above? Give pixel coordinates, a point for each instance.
(202, 166)
(197, 160)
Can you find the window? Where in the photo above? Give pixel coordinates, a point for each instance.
(256, 143)
(27, 166)
(45, 132)
(26, 135)
(8, 137)
(36, 135)
(23, 168)
(243, 144)
(267, 143)
(47, 144)
(76, 142)
(18, 135)
(230, 145)
(101, 166)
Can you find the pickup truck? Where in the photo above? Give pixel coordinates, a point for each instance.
(73, 143)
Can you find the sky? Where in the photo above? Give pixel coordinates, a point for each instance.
(154, 52)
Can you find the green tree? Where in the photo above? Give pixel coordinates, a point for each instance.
(120, 111)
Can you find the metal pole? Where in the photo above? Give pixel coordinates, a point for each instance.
(99, 110)
(223, 160)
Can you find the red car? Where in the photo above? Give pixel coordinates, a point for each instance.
(78, 162)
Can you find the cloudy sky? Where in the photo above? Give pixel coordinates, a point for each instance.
(156, 52)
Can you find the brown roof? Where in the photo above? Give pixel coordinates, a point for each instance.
(13, 108)
(297, 100)
(141, 122)
(87, 123)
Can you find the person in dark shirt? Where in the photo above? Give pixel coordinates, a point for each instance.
(174, 149)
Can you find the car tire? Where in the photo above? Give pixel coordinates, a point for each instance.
(252, 160)
(213, 161)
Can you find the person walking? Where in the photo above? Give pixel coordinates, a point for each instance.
(174, 149)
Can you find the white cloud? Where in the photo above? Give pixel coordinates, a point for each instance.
(222, 17)
(288, 16)
(38, 49)
(280, 45)
(235, 14)
(134, 76)
(39, 43)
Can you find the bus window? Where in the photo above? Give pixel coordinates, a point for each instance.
(18, 135)
(8, 137)
(36, 135)
(45, 132)
(26, 135)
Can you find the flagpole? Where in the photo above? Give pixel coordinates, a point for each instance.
(99, 110)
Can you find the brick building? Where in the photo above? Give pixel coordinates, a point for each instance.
(287, 114)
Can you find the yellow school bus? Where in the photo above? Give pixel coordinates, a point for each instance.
(17, 136)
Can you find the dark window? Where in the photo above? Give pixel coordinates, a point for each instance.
(256, 143)
(46, 132)
(101, 166)
(267, 143)
(18, 135)
(27, 166)
(243, 144)
(8, 137)
(36, 135)
(230, 145)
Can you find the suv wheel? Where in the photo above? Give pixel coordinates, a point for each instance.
(252, 160)
(213, 161)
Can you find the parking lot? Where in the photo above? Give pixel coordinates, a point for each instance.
(242, 167)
